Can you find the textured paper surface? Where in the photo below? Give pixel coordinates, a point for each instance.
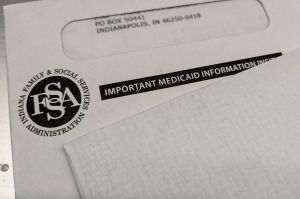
(238, 138)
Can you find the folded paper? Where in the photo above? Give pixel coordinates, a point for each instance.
(238, 138)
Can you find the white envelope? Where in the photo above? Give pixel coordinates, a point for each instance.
(74, 67)
(238, 138)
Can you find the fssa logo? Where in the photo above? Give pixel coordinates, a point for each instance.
(54, 102)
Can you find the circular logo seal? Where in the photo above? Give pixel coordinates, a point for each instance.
(54, 102)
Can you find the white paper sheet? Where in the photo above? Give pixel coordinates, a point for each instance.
(238, 138)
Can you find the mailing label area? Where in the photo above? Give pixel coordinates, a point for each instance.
(160, 27)
(168, 80)
(148, 18)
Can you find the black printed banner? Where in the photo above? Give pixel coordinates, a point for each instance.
(162, 81)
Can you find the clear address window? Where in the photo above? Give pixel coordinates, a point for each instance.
(147, 29)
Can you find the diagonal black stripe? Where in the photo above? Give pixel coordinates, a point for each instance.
(147, 84)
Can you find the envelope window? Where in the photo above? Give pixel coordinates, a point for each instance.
(161, 27)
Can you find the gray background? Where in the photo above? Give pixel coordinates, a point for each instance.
(6, 178)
